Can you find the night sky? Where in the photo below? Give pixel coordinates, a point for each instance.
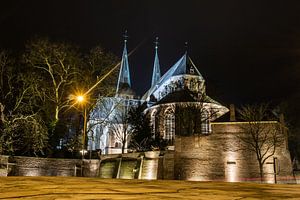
(248, 51)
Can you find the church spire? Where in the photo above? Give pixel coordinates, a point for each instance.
(186, 47)
(124, 74)
(156, 67)
(186, 57)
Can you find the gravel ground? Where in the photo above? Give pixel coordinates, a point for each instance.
(95, 188)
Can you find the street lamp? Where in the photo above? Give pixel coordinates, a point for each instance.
(82, 100)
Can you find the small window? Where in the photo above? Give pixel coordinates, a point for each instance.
(192, 71)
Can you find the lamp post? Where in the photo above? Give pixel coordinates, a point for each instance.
(81, 99)
(84, 133)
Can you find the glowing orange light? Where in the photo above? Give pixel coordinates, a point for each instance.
(80, 98)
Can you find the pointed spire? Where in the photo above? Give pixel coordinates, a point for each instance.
(124, 75)
(156, 67)
(186, 47)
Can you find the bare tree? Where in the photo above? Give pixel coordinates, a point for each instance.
(258, 137)
(25, 135)
(99, 63)
(120, 124)
(57, 66)
(22, 129)
(44, 83)
(109, 112)
(100, 116)
(62, 73)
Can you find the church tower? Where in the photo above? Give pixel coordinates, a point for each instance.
(124, 83)
(156, 67)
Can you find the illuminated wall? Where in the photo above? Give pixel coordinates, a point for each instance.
(33, 166)
(214, 157)
(211, 157)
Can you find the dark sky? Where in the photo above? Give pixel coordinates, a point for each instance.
(248, 51)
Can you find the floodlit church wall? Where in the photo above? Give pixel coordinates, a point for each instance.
(217, 157)
(164, 118)
(159, 115)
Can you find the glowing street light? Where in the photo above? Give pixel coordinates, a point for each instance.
(82, 100)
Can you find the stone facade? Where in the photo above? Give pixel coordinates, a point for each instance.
(33, 166)
(199, 158)
(217, 157)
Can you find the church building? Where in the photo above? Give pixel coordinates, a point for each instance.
(199, 147)
(181, 86)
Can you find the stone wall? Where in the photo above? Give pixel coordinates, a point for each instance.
(216, 157)
(146, 165)
(142, 165)
(297, 176)
(33, 166)
(167, 165)
(5, 168)
(213, 157)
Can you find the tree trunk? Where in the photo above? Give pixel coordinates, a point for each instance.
(56, 114)
(123, 146)
(2, 112)
(261, 172)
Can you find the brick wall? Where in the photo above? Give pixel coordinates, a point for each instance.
(197, 157)
(32, 166)
(216, 157)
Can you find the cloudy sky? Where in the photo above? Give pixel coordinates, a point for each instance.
(248, 51)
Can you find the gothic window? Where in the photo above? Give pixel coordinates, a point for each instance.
(153, 122)
(169, 123)
(205, 125)
(112, 139)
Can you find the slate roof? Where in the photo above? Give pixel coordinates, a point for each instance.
(183, 66)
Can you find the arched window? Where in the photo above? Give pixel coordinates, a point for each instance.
(205, 125)
(153, 122)
(118, 144)
(169, 123)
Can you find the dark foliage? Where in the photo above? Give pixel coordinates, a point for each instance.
(142, 137)
(37, 95)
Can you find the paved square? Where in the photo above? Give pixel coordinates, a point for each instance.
(94, 188)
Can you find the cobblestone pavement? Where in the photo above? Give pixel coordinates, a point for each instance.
(94, 188)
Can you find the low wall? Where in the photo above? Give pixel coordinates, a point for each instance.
(146, 165)
(4, 167)
(33, 166)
